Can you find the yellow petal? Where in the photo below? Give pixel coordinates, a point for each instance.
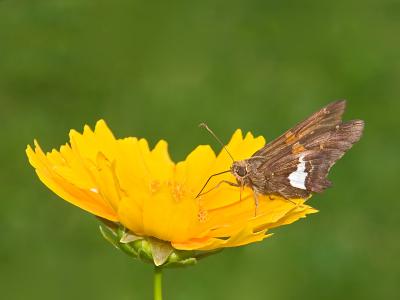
(85, 199)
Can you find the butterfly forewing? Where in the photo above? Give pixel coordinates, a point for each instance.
(325, 119)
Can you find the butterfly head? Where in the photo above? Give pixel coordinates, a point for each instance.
(240, 170)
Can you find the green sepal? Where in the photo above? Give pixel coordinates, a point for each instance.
(109, 235)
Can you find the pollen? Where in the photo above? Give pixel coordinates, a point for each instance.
(202, 215)
(177, 190)
(155, 186)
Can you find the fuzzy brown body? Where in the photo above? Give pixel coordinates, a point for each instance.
(297, 163)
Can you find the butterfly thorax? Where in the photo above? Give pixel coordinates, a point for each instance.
(246, 173)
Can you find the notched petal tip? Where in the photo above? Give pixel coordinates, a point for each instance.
(102, 131)
(101, 124)
(73, 132)
(29, 150)
(161, 144)
(36, 144)
(160, 151)
(249, 135)
(87, 129)
(201, 152)
(31, 154)
(238, 134)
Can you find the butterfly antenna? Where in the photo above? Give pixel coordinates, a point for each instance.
(204, 125)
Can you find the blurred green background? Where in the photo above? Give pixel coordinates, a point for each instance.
(156, 70)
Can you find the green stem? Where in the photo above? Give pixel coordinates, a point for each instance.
(157, 283)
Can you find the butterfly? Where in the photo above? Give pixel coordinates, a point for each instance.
(296, 164)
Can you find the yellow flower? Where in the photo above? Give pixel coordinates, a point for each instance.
(126, 182)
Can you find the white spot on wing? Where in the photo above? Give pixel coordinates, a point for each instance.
(298, 177)
(94, 190)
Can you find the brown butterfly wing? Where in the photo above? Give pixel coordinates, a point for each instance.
(297, 163)
(324, 119)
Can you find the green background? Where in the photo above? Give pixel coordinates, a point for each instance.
(156, 70)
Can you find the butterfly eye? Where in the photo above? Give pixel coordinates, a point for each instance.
(241, 171)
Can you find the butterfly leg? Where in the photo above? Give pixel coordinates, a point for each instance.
(286, 197)
(217, 186)
(256, 202)
(208, 180)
